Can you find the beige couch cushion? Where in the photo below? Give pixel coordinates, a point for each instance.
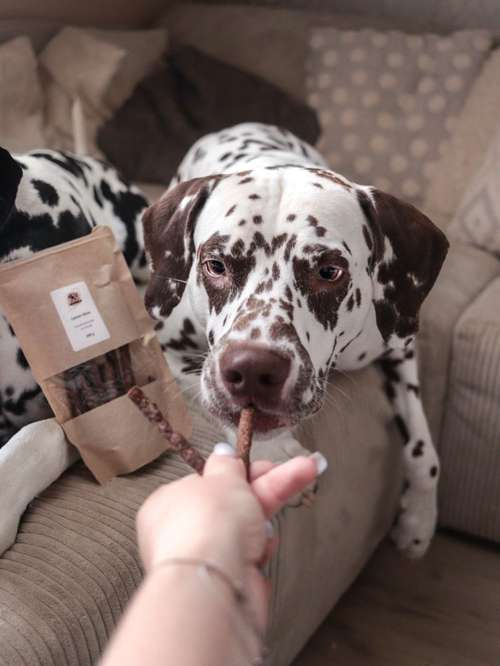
(77, 66)
(466, 273)
(472, 133)
(470, 442)
(477, 219)
(459, 356)
(143, 50)
(21, 100)
(100, 68)
(74, 566)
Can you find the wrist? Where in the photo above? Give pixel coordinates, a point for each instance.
(218, 547)
(215, 590)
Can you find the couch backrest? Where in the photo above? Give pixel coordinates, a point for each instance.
(424, 15)
(116, 14)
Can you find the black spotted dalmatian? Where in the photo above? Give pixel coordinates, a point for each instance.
(269, 271)
(49, 197)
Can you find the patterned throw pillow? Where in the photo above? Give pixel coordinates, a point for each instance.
(477, 219)
(387, 101)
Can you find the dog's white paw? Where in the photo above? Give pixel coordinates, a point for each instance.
(416, 522)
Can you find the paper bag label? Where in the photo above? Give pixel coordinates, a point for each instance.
(79, 315)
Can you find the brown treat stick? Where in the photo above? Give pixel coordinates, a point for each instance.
(71, 397)
(94, 381)
(126, 366)
(87, 397)
(68, 389)
(74, 394)
(178, 443)
(88, 389)
(244, 441)
(113, 359)
(109, 384)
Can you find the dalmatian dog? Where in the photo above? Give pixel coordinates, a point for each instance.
(269, 271)
(49, 197)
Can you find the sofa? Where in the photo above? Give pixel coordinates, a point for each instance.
(74, 565)
(460, 371)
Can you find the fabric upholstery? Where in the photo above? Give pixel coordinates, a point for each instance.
(268, 42)
(21, 100)
(387, 101)
(152, 191)
(426, 15)
(74, 566)
(100, 68)
(77, 65)
(467, 271)
(459, 355)
(143, 51)
(120, 13)
(477, 219)
(470, 443)
(472, 133)
(38, 32)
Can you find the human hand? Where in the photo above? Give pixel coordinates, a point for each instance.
(220, 518)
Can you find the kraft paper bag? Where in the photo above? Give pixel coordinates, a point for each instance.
(86, 334)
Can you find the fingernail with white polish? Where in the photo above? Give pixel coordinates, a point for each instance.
(320, 461)
(269, 529)
(224, 449)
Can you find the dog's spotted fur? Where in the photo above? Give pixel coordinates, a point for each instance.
(49, 197)
(266, 205)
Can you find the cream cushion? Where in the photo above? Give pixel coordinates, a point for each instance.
(477, 220)
(143, 50)
(77, 66)
(98, 69)
(466, 272)
(470, 445)
(21, 100)
(472, 133)
(459, 359)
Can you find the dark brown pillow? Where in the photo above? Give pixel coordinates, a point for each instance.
(190, 96)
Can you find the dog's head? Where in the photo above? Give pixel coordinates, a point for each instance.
(290, 272)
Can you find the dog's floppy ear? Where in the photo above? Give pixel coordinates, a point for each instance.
(168, 237)
(405, 269)
(10, 177)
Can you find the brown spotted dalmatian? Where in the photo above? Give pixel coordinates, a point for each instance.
(269, 271)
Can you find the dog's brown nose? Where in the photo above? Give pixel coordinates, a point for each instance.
(253, 374)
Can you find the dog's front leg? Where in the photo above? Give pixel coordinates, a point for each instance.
(416, 521)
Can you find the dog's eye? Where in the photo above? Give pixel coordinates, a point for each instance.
(330, 273)
(214, 267)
